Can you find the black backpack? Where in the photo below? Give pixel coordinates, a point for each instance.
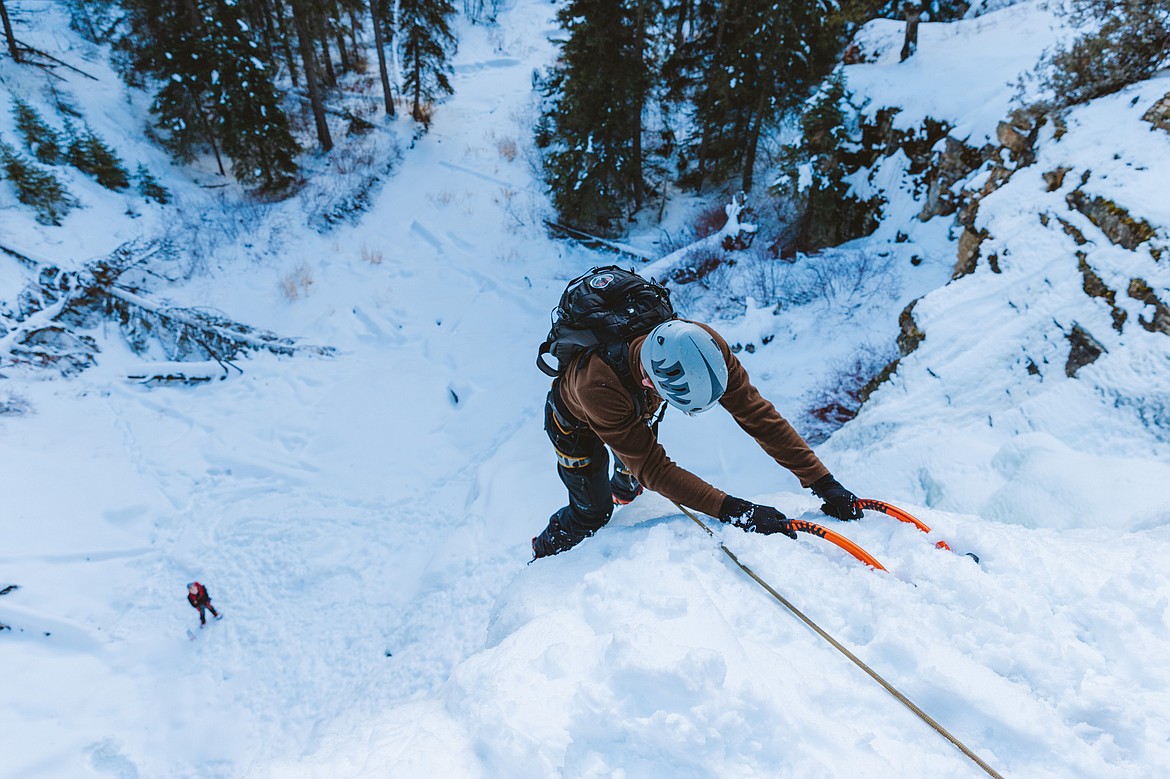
(600, 311)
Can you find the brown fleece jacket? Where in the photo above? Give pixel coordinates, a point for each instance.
(592, 392)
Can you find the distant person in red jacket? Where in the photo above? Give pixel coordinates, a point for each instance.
(197, 596)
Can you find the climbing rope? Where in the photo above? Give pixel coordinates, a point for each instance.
(843, 650)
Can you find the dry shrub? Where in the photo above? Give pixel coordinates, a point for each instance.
(296, 285)
(1131, 44)
(699, 263)
(13, 405)
(710, 221)
(508, 148)
(843, 281)
(353, 158)
(504, 196)
(358, 63)
(372, 256)
(843, 391)
(423, 114)
(345, 190)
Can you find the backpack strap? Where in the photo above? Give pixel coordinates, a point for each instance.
(617, 357)
(545, 368)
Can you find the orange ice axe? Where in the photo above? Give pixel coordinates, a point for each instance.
(869, 504)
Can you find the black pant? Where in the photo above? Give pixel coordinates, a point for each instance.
(209, 607)
(583, 465)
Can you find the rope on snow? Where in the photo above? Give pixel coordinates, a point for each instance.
(843, 650)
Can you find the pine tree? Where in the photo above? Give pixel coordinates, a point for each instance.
(90, 155)
(13, 49)
(304, 21)
(215, 89)
(382, 15)
(40, 139)
(817, 171)
(149, 187)
(683, 25)
(426, 45)
(247, 112)
(759, 58)
(36, 187)
(591, 126)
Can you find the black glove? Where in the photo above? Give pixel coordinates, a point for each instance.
(838, 501)
(754, 518)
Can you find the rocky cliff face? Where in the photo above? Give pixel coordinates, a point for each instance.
(1101, 221)
(1045, 356)
(1159, 114)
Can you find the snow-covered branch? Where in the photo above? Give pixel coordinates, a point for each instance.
(735, 234)
(58, 302)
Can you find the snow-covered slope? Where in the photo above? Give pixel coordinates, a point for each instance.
(647, 655)
(989, 384)
(363, 520)
(335, 508)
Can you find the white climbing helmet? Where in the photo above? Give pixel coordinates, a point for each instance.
(685, 365)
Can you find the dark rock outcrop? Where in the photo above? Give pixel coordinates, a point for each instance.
(1139, 289)
(1084, 350)
(1159, 114)
(1113, 220)
(1095, 288)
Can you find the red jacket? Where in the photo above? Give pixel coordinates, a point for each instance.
(199, 597)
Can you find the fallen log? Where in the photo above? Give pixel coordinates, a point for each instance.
(59, 302)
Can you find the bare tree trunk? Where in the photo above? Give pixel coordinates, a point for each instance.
(416, 112)
(207, 130)
(684, 12)
(749, 161)
(636, 130)
(15, 52)
(381, 44)
(289, 59)
(912, 12)
(315, 100)
(330, 75)
(342, 53)
(355, 26)
(701, 172)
